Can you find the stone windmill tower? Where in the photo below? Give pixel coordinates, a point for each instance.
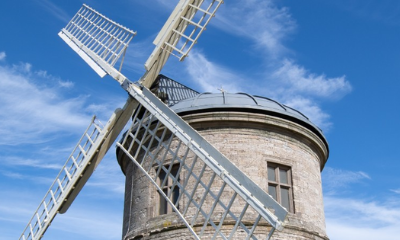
(275, 145)
(203, 166)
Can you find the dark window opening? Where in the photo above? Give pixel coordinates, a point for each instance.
(169, 188)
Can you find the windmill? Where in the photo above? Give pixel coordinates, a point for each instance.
(102, 43)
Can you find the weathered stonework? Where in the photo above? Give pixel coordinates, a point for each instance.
(250, 141)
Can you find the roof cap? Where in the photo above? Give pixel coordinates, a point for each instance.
(243, 102)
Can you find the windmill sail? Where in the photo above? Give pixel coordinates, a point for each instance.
(179, 34)
(100, 41)
(78, 168)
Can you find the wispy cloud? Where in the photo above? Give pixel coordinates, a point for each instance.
(83, 220)
(210, 76)
(291, 84)
(396, 190)
(108, 177)
(33, 106)
(386, 12)
(261, 21)
(30, 110)
(166, 4)
(295, 79)
(39, 125)
(45, 75)
(53, 9)
(309, 109)
(12, 175)
(137, 54)
(2, 56)
(88, 221)
(162, 6)
(335, 179)
(352, 219)
(301, 89)
(277, 75)
(31, 163)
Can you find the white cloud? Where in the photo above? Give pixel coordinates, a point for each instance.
(309, 109)
(386, 12)
(278, 75)
(2, 56)
(161, 6)
(108, 176)
(33, 106)
(335, 179)
(83, 220)
(210, 76)
(34, 177)
(352, 219)
(12, 175)
(396, 190)
(36, 115)
(22, 67)
(298, 88)
(66, 84)
(88, 221)
(291, 84)
(29, 111)
(16, 208)
(296, 79)
(54, 10)
(45, 75)
(31, 163)
(137, 54)
(259, 20)
(166, 4)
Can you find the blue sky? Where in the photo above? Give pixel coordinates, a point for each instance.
(337, 61)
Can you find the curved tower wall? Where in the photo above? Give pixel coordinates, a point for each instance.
(252, 141)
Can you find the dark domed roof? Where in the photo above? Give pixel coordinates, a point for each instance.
(243, 102)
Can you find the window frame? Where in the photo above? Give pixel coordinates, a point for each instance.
(163, 206)
(280, 185)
